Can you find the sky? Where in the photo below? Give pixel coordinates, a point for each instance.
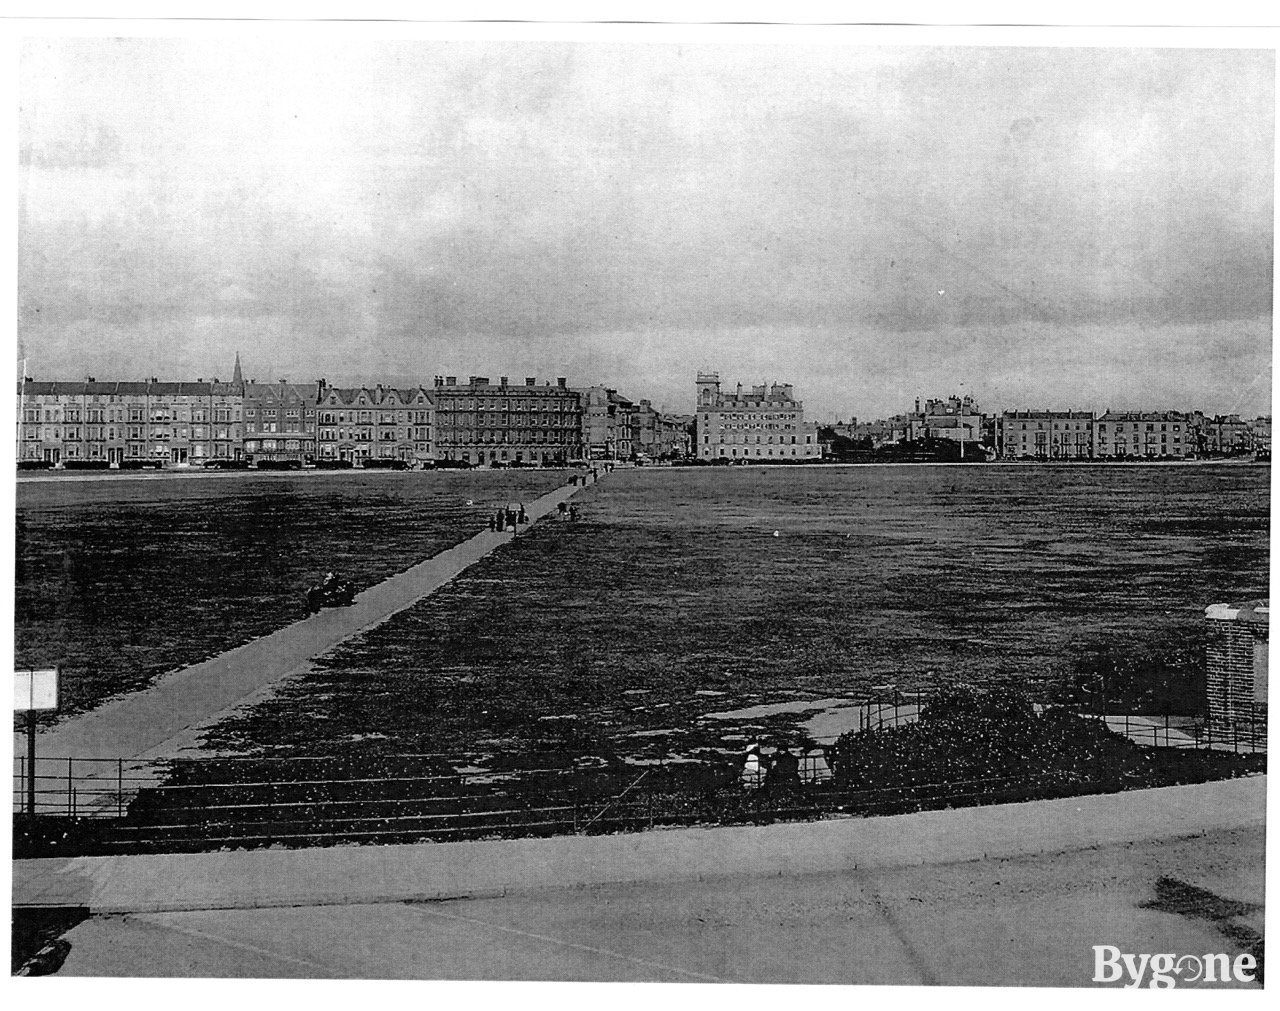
(1034, 227)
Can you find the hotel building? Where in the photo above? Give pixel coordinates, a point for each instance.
(755, 423)
(482, 422)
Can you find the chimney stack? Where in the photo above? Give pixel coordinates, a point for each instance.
(502, 381)
(451, 381)
(561, 381)
(531, 380)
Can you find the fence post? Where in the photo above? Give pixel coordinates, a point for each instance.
(70, 803)
(31, 764)
(120, 788)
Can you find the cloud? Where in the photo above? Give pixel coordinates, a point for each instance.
(395, 203)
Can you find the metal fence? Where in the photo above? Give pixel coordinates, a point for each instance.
(254, 810)
(120, 804)
(1246, 736)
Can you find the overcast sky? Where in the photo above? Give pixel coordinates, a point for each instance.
(1081, 228)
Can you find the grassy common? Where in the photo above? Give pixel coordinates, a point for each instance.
(120, 579)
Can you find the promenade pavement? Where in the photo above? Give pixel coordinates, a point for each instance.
(907, 900)
(162, 720)
(435, 871)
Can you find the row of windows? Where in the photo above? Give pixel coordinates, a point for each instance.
(505, 405)
(293, 412)
(459, 437)
(761, 426)
(788, 416)
(366, 434)
(98, 433)
(72, 416)
(95, 399)
(758, 453)
(367, 417)
(271, 426)
(782, 440)
(1102, 426)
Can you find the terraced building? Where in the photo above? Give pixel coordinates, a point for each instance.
(373, 423)
(482, 422)
(128, 422)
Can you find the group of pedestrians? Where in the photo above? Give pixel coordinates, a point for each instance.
(589, 476)
(566, 511)
(508, 519)
(779, 770)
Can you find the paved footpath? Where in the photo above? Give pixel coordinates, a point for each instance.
(344, 875)
(1022, 921)
(159, 721)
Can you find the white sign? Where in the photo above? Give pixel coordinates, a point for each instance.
(35, 689)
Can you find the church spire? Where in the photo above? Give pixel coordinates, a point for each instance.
(237, 378)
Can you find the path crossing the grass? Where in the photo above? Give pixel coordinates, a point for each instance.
(162, 719)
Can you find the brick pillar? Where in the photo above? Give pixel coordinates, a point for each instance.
(1236, 661)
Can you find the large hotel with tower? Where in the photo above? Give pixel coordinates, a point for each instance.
(757, 423)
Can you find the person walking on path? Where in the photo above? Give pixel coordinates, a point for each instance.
(523, 517)
(562, 509)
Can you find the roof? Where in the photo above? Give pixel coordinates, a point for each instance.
(348, 395)
(60, 388)
(1051, 415)
(1252, 612)
(1144, 416)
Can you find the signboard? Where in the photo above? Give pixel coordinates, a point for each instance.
(35, 689)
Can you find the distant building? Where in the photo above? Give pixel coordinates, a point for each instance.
(1047, 435)
(1236, 662)
(385, 423)
(882, 432)
(1147, 435)
(607, 424)
(115, 422)
(656, 436)
(482, 422)
(1260, 436)
(755, 423)
(955, 419)
(279, 421)
(1227, 435)
(675, 435)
